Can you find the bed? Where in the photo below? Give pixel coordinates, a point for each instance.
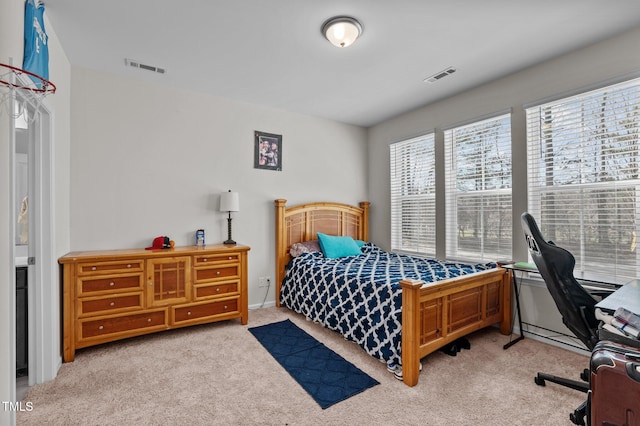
(412, 317)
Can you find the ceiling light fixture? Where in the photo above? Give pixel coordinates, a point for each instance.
(342, 31)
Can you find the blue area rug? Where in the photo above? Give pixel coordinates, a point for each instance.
(324, 374)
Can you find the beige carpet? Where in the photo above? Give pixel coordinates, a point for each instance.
(218, 374)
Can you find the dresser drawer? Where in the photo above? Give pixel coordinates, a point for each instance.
(109, 304)
(94, 285)
(123, 324)
(203, 310)
(123, 266)
(216, 290)
(212, 259)
(221, 272)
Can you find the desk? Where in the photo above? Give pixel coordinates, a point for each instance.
(513, 267)
(627, 296)
(590, 281)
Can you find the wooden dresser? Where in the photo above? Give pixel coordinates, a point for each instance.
(114, 294)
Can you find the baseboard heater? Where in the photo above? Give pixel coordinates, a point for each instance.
(553, 337)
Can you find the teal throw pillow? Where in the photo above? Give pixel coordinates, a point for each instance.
(336, 246)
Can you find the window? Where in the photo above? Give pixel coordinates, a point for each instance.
(478, 190)
(413, 213)
(583, 176)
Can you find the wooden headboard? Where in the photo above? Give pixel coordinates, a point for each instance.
(303, 222)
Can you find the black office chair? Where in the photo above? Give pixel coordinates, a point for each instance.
(575, 304)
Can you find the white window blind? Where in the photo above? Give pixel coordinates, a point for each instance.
(413, 213)
(583, 176)
(478, 190)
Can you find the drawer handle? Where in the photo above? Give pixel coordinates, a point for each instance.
(129, 265)
(101, 327)
(225, 307)
(230, 257)
(218, 289)
(112, 283)
(204, 260)
(189, 313)
(148, 319)
(217, 272)
(112, 304)
(93, 268)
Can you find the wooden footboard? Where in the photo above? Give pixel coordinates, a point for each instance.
(436, 314)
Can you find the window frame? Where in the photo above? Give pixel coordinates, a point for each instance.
(423, 242)
(573, 118)
(454, 195)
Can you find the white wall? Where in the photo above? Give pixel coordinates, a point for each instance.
(610, 59)
(60, 106)
(150, 160)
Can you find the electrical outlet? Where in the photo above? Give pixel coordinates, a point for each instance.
(264, 281)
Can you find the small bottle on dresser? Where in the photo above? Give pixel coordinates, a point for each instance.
(200, 238)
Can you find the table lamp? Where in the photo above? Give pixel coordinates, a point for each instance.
(229, 202)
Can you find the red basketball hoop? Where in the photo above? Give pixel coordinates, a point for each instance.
(32, 87)
(10, 77)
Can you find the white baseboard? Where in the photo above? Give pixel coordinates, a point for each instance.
(553, 338)
(263, 305)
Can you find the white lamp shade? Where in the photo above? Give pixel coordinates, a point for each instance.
(229, 202)
(342, 31)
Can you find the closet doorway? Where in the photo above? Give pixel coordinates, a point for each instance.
(37, 316)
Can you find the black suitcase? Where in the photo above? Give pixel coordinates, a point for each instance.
(614, 398)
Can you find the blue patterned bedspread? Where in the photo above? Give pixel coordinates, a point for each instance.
(359, 296)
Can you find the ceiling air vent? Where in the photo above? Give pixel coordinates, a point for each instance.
(137, 64)
(439, 75)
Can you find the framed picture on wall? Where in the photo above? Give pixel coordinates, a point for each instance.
(267, 151)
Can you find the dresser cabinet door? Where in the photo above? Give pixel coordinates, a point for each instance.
(168, 280)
